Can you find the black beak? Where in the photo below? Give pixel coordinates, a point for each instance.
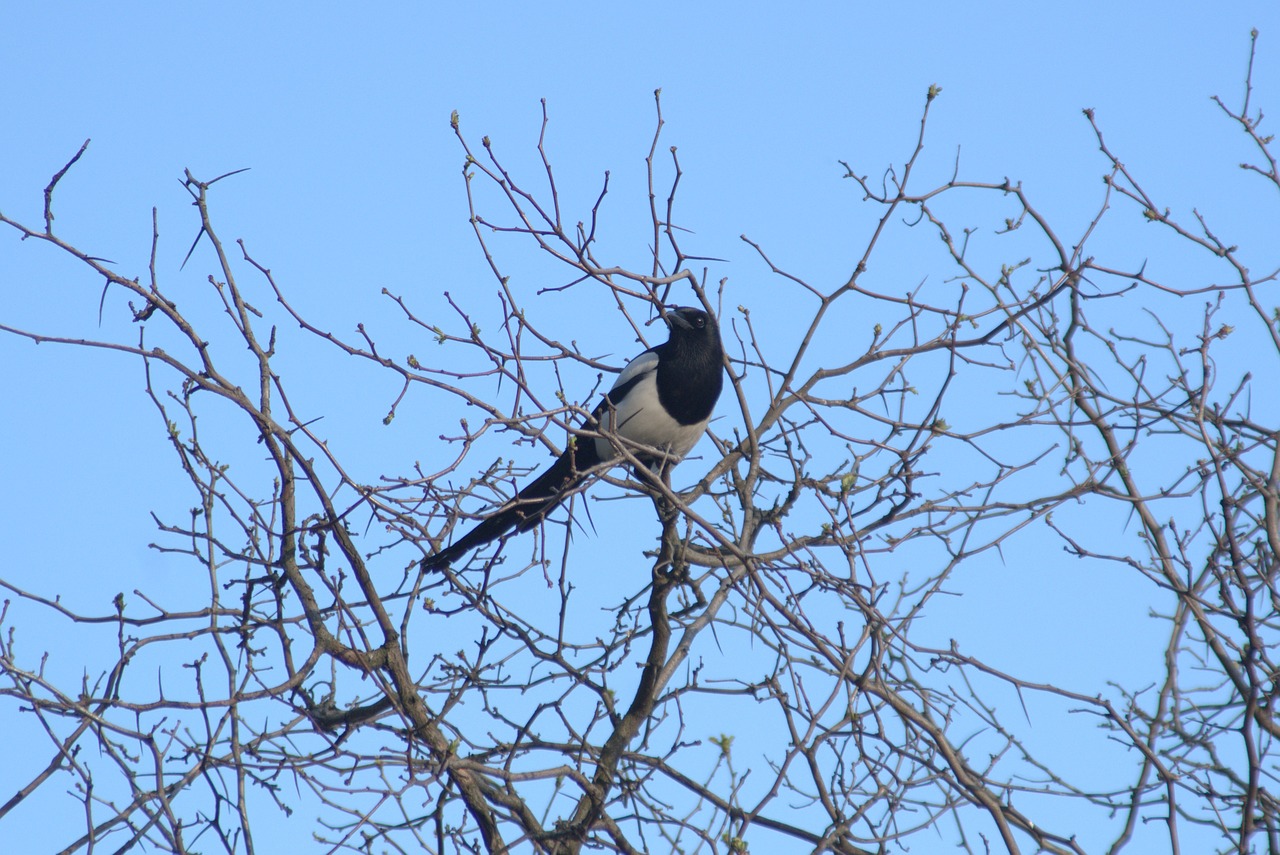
(676, 318)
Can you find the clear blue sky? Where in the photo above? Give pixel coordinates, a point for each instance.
(342, 113)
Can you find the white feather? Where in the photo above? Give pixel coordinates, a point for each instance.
(639, 418)
(645, 363)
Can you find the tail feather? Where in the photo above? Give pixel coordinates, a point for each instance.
(530, 506)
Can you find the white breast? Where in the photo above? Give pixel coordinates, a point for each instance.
(640, 419)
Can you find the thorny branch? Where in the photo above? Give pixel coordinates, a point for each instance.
(770, 681)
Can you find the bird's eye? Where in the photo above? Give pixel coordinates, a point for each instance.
(700, 321)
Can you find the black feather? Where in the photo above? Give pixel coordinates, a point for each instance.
(530, 506)
(686, 372)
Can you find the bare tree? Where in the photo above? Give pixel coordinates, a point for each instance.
(873, 455)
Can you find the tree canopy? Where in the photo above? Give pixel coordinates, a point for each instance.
(768, 668)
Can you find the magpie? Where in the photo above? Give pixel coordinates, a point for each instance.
(658, 409)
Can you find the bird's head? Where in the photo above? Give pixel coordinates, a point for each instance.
(689, 320)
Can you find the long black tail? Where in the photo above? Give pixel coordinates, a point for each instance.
(530, 506)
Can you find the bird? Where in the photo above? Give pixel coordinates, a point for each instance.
(658, 408)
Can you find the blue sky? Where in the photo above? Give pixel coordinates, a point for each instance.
(342, 114)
